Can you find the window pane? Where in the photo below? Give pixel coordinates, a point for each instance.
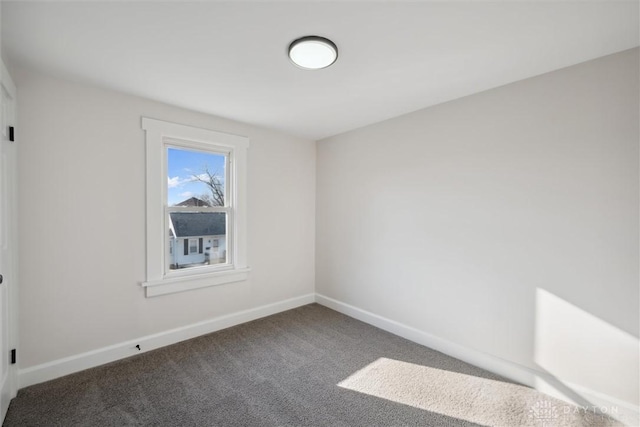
(195, 178)
(197, 239)
(193, 246)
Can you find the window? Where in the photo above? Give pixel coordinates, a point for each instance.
(198, 205)
(193, 246)
(196, 215)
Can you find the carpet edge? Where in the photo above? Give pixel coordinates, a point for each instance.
(541, 381)
(90, 359)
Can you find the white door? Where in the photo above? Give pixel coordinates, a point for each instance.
(8, 239)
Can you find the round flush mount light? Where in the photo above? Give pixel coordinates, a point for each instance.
(313, 52)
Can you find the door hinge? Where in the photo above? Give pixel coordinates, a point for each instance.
(11, 137)
(13, 356)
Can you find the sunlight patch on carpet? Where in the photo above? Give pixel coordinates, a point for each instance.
(470, 398)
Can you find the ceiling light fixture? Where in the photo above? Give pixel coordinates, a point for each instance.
(313, 52)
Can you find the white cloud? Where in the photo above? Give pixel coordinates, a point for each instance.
(176, 181)
(186, 194)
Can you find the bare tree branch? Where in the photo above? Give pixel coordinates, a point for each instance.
(214, 185)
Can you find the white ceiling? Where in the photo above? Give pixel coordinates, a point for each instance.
(229, 58)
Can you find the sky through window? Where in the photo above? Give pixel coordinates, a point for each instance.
(183, 166)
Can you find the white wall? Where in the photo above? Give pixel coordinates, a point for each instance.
(500, 222)
(505, 222)
(82, 200)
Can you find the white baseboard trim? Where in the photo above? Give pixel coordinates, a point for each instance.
(542, 381)
(627, 413)
(68, 365)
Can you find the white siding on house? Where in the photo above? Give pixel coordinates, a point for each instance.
(215, 254)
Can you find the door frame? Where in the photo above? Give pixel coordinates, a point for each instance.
(11, 267)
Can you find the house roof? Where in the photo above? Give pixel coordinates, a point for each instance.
(194, 201)
(191, 224)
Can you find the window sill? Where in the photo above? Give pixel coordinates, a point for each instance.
(170, 285)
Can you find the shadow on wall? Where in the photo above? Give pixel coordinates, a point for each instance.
(582, 353)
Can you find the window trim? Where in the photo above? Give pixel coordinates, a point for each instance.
(158, 135)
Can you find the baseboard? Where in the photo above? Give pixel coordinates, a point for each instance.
(491, 363)
(68, 365)
(543, 381)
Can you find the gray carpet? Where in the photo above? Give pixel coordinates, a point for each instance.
(310, 366)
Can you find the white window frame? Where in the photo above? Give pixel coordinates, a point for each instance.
(159, 136)
(197, 246)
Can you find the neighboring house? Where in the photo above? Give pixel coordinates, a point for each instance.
(194, 201)
(197, 238)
